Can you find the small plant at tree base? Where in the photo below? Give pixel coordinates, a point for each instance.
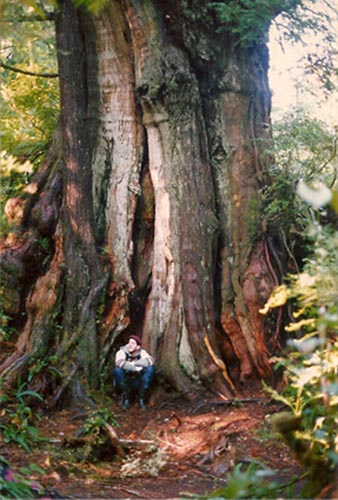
(5, 329)
(97, 438)
(97, 420)
(16, 417)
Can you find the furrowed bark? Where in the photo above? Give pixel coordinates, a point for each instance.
(164, 122)
(79, 345)
(236, 115)
(180, 304)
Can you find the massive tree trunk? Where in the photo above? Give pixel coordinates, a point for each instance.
(152, 193)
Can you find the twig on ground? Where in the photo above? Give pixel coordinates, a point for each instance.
(173, 414)
(165, 441)
(134, 492)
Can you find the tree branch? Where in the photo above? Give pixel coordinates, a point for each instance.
(28, 73)
(46, 16)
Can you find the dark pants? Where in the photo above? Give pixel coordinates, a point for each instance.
(138, 382)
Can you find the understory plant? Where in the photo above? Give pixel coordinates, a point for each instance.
(97, 420)
(16, 424)
(309, 424)
(19, 484)
(304, 148)
(254, 481)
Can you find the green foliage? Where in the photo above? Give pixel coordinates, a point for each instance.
(93, 6)
(303, 148)
(310, 368)
(249, 20)
(29, 105)
(254, 481)
(96, 435)
(16, 416)
(18, 484)
(14, 178)
(310, 427)
(5, 329)
(97, 420)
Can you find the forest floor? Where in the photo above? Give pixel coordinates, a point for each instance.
(172, 449)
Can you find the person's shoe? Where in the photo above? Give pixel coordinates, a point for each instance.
(142, 404)
(142, 398)
(125, 403)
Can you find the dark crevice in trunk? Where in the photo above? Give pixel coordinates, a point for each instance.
(100, 216)
(143, 238)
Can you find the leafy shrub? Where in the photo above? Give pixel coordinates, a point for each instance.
(97, 420)
(310, 427)
(302, 148)
(254, 481)
(18, 484)
(16, 417)
(5, 319)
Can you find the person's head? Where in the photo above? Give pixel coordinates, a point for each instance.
(134, 343)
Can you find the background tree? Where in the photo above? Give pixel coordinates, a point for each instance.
(29, 96)
(149, 199)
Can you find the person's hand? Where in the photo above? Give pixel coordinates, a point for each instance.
(129, 366)
(142, 363)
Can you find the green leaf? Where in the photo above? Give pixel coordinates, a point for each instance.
(33, 394)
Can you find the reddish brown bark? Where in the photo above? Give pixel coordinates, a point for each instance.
(159, 231)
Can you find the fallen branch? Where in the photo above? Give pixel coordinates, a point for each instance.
(134, 492)
(173, 414)
(130, 443)
(114, 439)
(167, 443)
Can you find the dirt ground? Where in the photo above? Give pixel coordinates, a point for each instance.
(173, 449)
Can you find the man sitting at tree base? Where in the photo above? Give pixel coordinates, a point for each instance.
(133, 372)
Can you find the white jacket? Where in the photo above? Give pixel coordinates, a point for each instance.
(133, 362)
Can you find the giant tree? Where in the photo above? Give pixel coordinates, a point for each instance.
(149, 199)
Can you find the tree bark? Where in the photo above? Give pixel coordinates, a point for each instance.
(159, 229)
